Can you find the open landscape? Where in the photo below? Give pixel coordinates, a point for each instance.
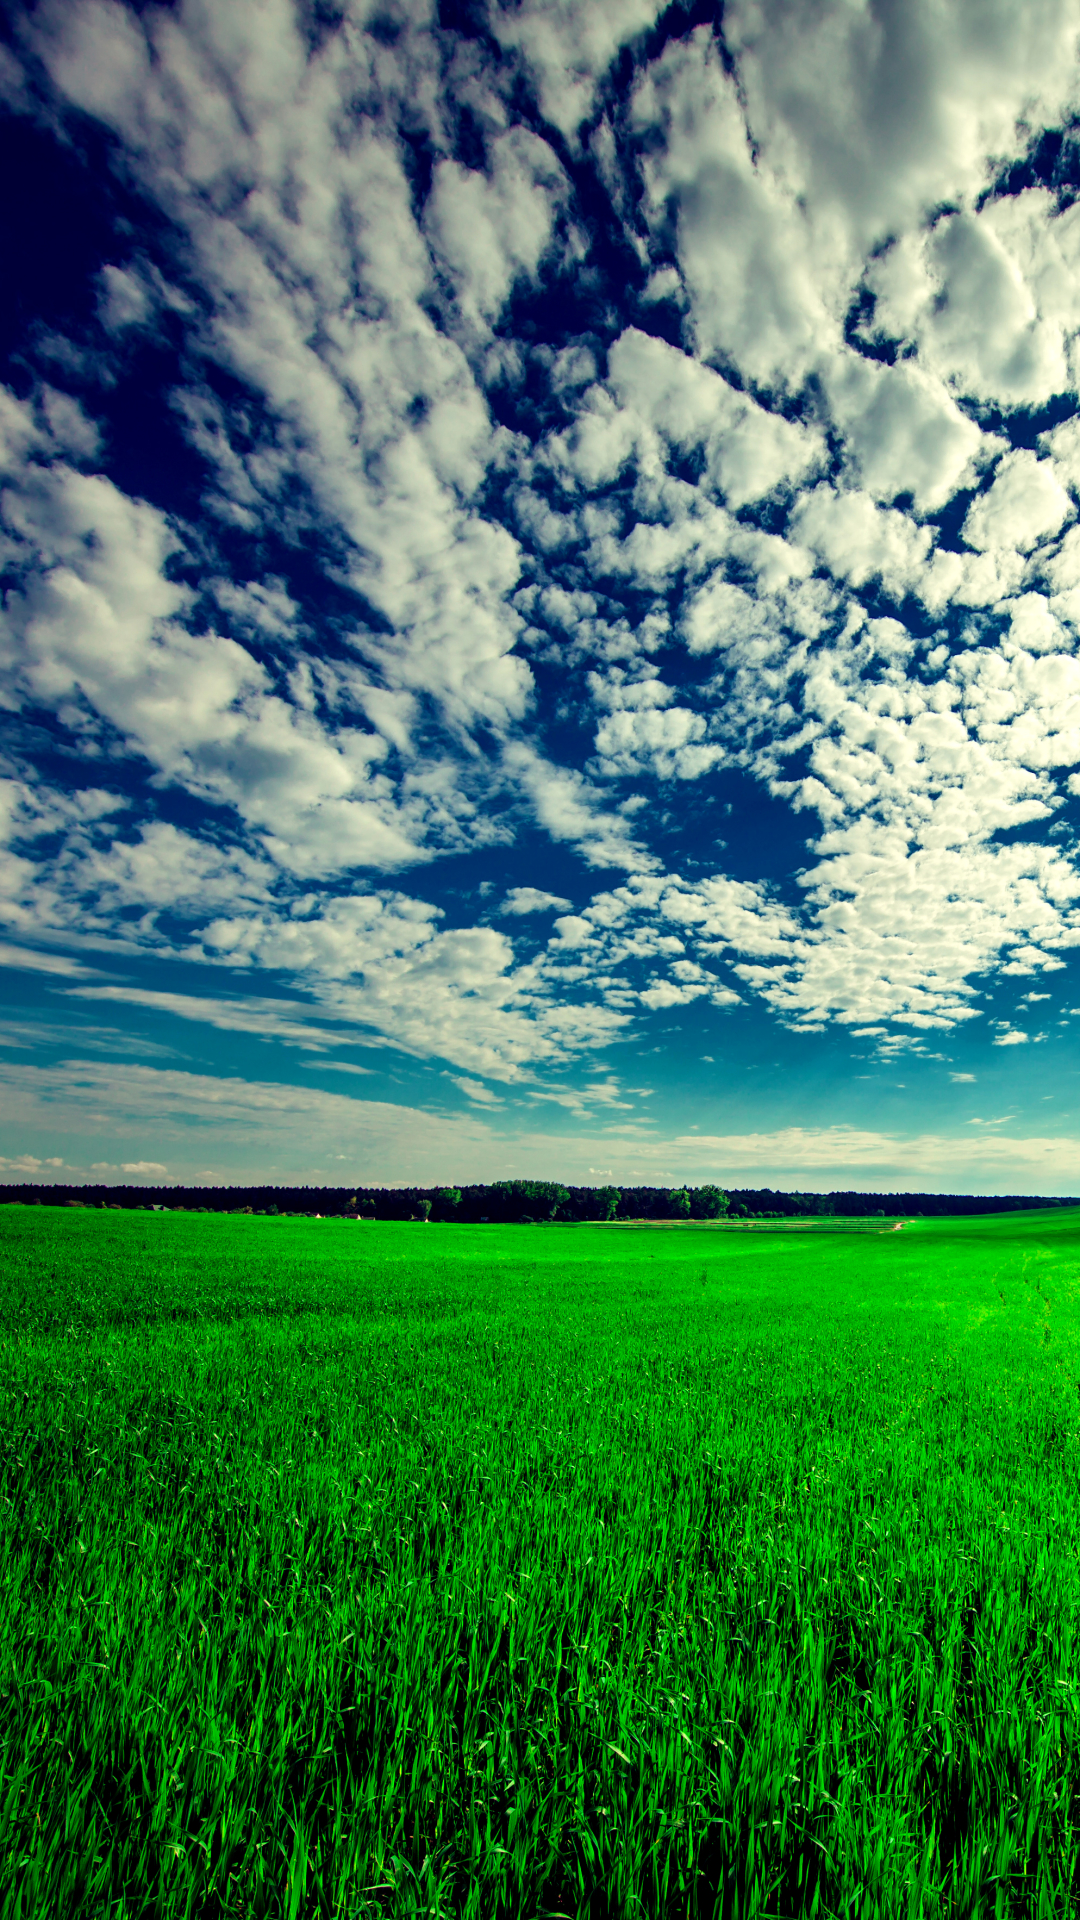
(539, 1570)
(540, 939)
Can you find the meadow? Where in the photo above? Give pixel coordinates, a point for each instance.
(356, 1569)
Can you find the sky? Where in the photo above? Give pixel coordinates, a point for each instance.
(541, 601)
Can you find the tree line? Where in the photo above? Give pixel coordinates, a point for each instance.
(507, 1201)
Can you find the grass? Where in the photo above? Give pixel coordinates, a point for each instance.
(538, 1571)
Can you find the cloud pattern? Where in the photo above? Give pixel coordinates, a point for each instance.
(582, 408)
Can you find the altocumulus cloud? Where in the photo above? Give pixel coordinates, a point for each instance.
(547, 536)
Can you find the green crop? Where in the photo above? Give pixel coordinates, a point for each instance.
(531, 1571)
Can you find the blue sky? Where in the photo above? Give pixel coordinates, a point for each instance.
(542, 593)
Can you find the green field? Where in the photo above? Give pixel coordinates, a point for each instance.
(400, 1569)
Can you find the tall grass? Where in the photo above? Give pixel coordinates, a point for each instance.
(539, 1571)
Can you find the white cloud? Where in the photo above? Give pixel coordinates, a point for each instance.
(476, 1091)
(271, 1019)
(1033, 626)
(582, 1100)
(568, 44)
(743, 254)
(300, 1132)
(572, 930)
(900, 932)
(619, 694)
(878, 117)
(125, 299)
(264, 607)
(748, 451)
(531, 900)
(1022, 706)
(837, 130)
(1062, 447)
(38, 962)
(671, 993)
(766, 196)
(96, 624)
(143, 1166)
(166, 867)
(72, 433)
(722, 615)
(377, 413)
(858, 540)
(903, 433)
(1025, 504)
(995, 1162)
(488, 229)
(244, 1124)
(570, 809)
(456, 994)
(667, 742)
(985, 313)
(339, 1066)
(664, 284)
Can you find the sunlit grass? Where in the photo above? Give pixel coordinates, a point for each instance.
(534, 1571)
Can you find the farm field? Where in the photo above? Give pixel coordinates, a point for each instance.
(395, 1569)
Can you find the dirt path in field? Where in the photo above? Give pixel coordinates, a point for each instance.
(813, 1223)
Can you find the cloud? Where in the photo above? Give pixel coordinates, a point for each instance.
(584, 1099)
(337, 1066)
(877, 952)
(992, 1161)
(96, 624)
(987, 297)
(283, 1020)
(293, 1130)
(531, 900)
(567, 45)
(143, 1166)
(1025, 504)
(962, 1076)
(670, 743)
(125, 299)
(570, 809)
(383, 424)
(489, 228)
(167, 867)
(476, 1091)
(572, 930)
(456, 994)
(478, 554)
(903, 433)
(1062, 445)
(671, 402)
(833, 132)
(31, 962)
(240, 1122)
(744, 256)
(261, 607)
(859, 541)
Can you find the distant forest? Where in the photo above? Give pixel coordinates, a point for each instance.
(527, 1200)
